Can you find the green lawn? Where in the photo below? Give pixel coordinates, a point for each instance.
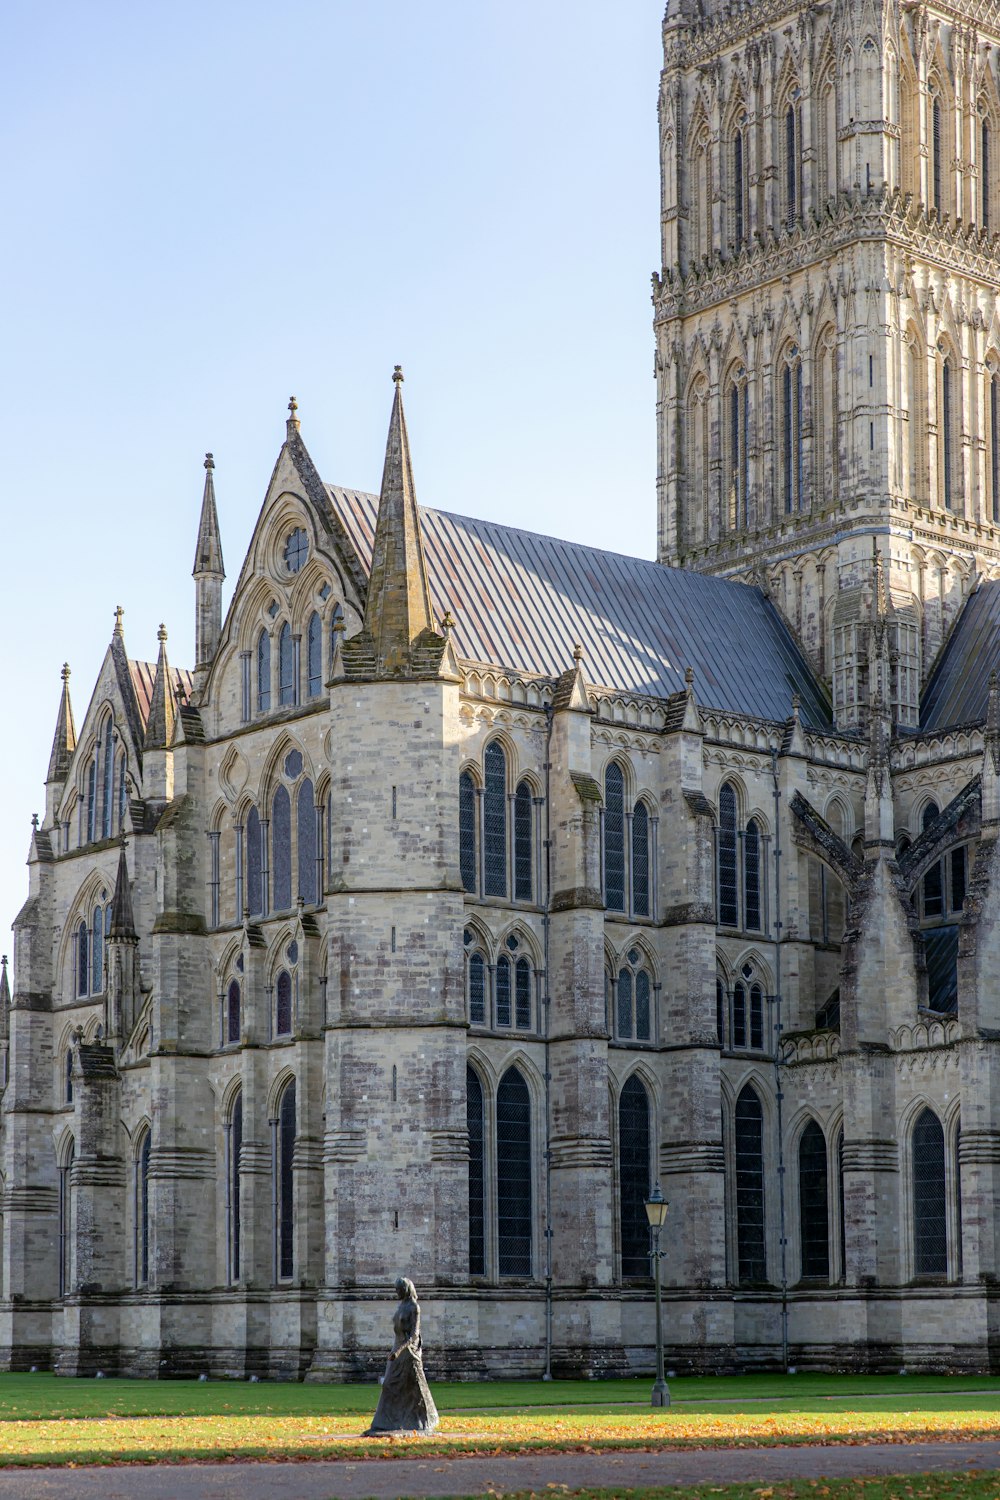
(902, 1487)
(35, 1397)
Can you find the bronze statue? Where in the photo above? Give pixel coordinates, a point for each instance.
(406, 1404)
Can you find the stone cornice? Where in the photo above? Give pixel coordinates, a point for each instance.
(853, 217)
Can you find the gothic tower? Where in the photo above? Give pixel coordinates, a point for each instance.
(827, 330)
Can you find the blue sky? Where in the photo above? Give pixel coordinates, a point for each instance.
(212, 206)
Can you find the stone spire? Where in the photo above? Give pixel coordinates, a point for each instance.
(162, 708)
(122, 919)
(64, 739)
(398, 609)
(4, 989)
(208, 553)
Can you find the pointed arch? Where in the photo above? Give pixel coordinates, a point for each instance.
(635, 1172)
(514, 1174)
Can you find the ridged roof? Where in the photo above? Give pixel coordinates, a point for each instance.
(143, 675)
(959, 685)
(524, 601)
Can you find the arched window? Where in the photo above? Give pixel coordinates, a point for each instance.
(66, 1225)
(949, 393)
(697, 521)
(97, 953)
(633, 995)
(701, 196)
(736, 506)
(791, 405)
(739, 190)
(284, 1194)
(281, 850)
(791, 165)
(985, 164)
(749, 1140)
(993, 422)
(728, 869)
(930, 1235)
(92, 801)
(68, 1076)
(514, 1195)
(720, 1010)
(82, 959)
(748, 1010)
(634, 1176)
(476, 985)
(122, 789)
(314, 656)
(936, 153)
(305, 810)
(503, 990)
(640, 860)
(286, 665)
(476, 1116)
(751, 876)
(825, 401)
(827, 121)
(336, 620)
(841, 1206)
(814, 1212)
(283, 1005)
(235, 1146)
(916, 411)
(108, 801)
(255, 863)
(141, 1218)
(522, 994)
(495, 819)
(467, 832)
(233, 1013)
(523, 885)
(614, 837)
(263, 673)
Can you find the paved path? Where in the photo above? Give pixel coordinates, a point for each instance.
(390, 1479)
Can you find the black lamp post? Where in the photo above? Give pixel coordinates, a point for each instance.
(656, 1213)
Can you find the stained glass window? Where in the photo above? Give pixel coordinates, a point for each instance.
(305, 811)
(930, 1237)
(624, 1012)
(233, 1013)
(814, 1213)
(614, 838)
(285, 1184)
(286, 665)
(729, 914)
(477, 989)
(720, 1011)
(643, 1020)
(476, 1116)
(281, 850)
(756, 1017)
(283, 1006)
(522, 843)
(255, 881)
(503, 991)
(739, 1015)
(263, 673)
(640, 860)
(296, 550)
(495, 819)
(514, 1175)
(634, 1177)
(749, 1136)
(97, 953)
(92, 801)
(751, 876)
(522, 995)
(467, 831)
(82, 960)
(142, 1212)
(314, 656)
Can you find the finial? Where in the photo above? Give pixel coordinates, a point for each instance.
(578, 653)
(246, 913)
(65, 671)
(161, 634)
(448, 623)
(34, 821)
(122, 841)
(119, 617)
(293, 408)
(338, 625)
(209, 461)
(796, 704)
(689, 676)
(397, 374)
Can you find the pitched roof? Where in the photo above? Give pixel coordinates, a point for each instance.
(523, 601)
(143, 674)
(960, 683)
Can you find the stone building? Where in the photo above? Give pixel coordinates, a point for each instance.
(474, 881)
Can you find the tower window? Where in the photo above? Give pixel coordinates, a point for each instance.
(984, 175)
(514, 1205)
(633, 1177)
(751, 1262)
(792, 432)
(495, 819)
(814, 1225)
(467, 831)
(738, 190)
(476, 1119)
(994, 413)
(930, 1237)
(791, 166)
(936, 154)
(614, 838)
(947, 433)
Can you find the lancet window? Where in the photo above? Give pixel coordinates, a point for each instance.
(791, 418)
(283, 1131)
(748, 1135)
(930, 1223)
(814, 1207)
(634, 1177)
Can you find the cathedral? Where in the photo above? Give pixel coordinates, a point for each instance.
(472, 882)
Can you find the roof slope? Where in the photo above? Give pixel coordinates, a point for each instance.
(959, 685)
(524, 601)
(143, 674)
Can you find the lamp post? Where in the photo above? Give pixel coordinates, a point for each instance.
(656, 1213)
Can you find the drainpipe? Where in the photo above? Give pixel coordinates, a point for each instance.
(546, 1011)
(778, 1094)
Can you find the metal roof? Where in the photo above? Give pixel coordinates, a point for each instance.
(143, 674)
(524, 601)
(959, 685)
